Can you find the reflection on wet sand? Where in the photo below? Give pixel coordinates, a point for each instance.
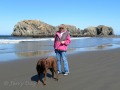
(70, 50)
(32, 49)
(104, 46)
(32, 54)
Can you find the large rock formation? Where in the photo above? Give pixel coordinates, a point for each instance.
(33, 28)
(100, 30)
(37, 28)
(104, 30)
(90, 31)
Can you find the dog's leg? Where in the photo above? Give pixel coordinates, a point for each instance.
(56, 75)
(38, 78)
(56, 72)
(55, 68)
(45, 74)
(52, 71)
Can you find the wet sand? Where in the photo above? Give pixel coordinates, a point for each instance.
(94, 70)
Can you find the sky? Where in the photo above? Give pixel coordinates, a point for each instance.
(80, 13)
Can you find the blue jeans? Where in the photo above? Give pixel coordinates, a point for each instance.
(61, 55)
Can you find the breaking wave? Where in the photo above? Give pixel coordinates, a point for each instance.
(13, 40)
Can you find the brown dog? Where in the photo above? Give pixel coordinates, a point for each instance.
(43, 65)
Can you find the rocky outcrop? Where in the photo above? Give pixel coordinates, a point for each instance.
(100, 30)
(33, 28)
(90, 31)
(104, 30)
(36, 28)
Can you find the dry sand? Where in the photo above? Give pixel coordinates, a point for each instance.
(97, 70)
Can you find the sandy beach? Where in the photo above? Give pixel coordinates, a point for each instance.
(94, 70)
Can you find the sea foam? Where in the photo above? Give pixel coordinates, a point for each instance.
(7, 41)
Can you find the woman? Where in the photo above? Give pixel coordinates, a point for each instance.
(61, 42)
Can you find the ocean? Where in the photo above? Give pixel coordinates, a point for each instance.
(16, 48)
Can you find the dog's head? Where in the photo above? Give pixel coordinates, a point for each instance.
(41, 64)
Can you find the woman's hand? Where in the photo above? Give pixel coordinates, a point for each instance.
(62, 42)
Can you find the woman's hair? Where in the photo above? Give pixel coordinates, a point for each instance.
(62, 26)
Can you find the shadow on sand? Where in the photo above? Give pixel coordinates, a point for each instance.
(35, 77)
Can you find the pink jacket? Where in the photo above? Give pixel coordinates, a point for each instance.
(57, 41)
